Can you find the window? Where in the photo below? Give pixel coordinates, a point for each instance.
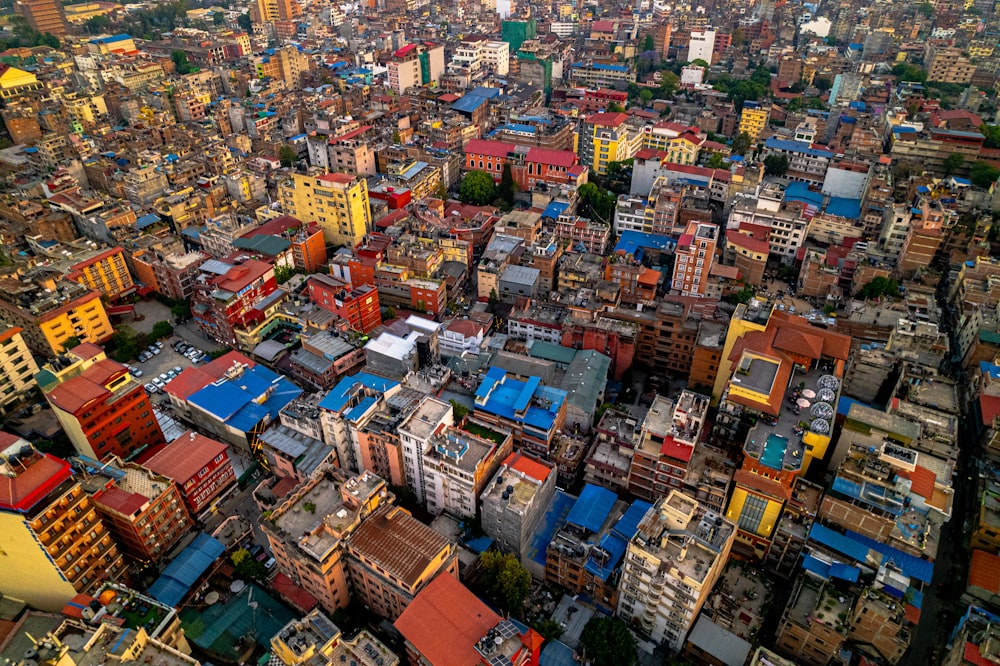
(753, 512)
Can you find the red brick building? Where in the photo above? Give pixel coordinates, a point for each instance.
(198, 465)
(529, 166)
(309, 248)
(359, 306)
(106, 412)
(226, 299)
(144, 511)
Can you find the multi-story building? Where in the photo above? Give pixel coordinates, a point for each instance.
(44, 16)
(753, 119)
(671, 565)
(391, 556)
(601, 75)
(415, 65)
(789, 368)
(581, 233)
(670, 432)
(199, 466)
(532, 412)
(514, 501)
(359, 306)
(233, 398)
(429, 418)
(701, 46)
(811, 628)
(308, 532)
(605, 138)
(315, 637)
(949, 65)
(55, 541)
(54, 313)
(103, 409)
(695, 257)
(232, 296)
(143, 510)
(338, 202)
(447, 625)
(17, 368)
(106, 272)
(171, 274)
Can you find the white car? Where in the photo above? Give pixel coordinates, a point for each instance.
(137, 372)
(152, 389)
(158, 383)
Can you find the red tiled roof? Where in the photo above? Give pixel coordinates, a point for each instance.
(74, 607)
(650, 154)
(398, 543)
(912, 614)
(749, 242)
(725, 272)
(42, 476)
(989, 405)
(974, 656)
(603, 26)
(466, 327)
(335, 177)
(186, 456)
(607, 119)
(444, 622)
(292, 593)
(922, 482)
(984, 571)
(798, 342)
(768, 487)
(76, 392)
(563, 158)
(120, 501)
(274, 227)
(528, 466)
(196, 378)
(488, 148)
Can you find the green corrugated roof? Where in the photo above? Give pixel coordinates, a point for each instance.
(552, 352)
(992, 337)
(271, 246)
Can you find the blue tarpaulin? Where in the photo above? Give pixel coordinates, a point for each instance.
(184, 570)
(592, 508)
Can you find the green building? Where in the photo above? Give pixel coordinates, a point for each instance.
(516, 33)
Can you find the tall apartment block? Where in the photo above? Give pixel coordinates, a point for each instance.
(52, 540)
(671, 566)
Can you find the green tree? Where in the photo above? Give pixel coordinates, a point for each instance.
(700, 63)
(283, 274)
(549, 629)
(907, 72)
(743, 295)
(507, 185)
(992, 134)
(218, 18)
(477, 188)
(95, 25)
(287, 155)
(70, 342)
(441, 192)
(795, 104)
(246, 567)
(458, 410)
(741, 144)
(953, 163)
(244, 22)
(669, 82)
(161, 329)
(983, 174)
(615, 107)
(648, 44)
(822, 83)
(390, 313)
(880, 286)
(494, 299)
(507, 581)
(926, 8)
(739, 38)
(776, 165)
(181, 310)
(607, 641)
(596, 203)
(716, 161)
(619, 176)
(645, 96)
(181, 62)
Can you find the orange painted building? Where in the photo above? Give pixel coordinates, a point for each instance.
(359, 306)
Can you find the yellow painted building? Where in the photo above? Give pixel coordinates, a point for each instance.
(316, 640)
(17, 368)
(613, 140)
(83, 318)
(338, 202)
(52, 542)
(106, 272)
(683, 150)
(753, 119)
(744, 321)
(14, 82)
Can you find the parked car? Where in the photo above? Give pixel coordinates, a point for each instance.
(159, 344)
(269, 564)
(171, 374)
(144, 356)
(178, 369)
(136, 372)
(158, 383)
(150, 388)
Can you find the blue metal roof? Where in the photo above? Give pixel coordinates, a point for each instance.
(791, 146)
(910, 565)
(358, 410)
(562, 503)
(108, 40)
(557, 653)
(631, 241)
(468, 103)
(511, 399)
(554, 210)
(800, 192)
(147, 220)
(845, 572)
(844, 207)
(628, 524)
(592, 507)
(991, 369)
(614, 546)
(340, 394)
(183, 572)
(838, 542)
